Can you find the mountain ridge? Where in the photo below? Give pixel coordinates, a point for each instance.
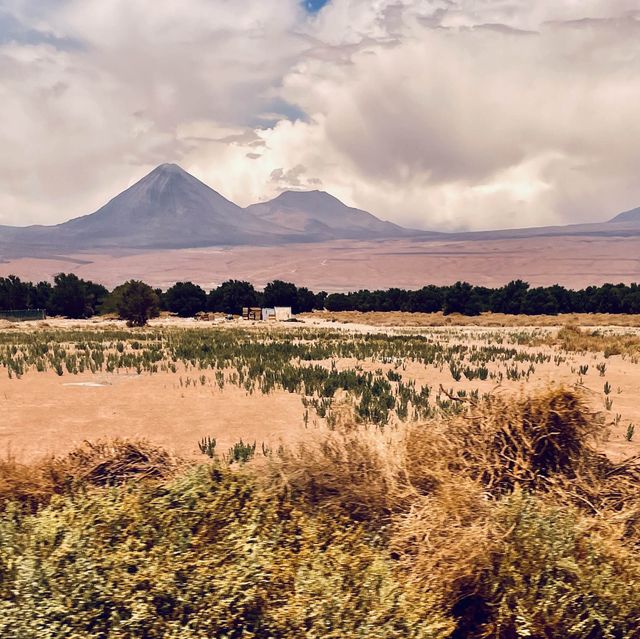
(633, 215)
(318, 212)
(171, 209)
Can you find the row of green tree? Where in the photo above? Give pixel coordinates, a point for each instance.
(74, 297)
(136, 301)
(516, 297)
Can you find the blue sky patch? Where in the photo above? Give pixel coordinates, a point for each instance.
(314, 5)
(12, 30)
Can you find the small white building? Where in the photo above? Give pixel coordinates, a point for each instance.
(283, 313)
(268, 313)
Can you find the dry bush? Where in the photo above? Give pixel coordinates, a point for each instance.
(103, 463)
(445, 539)
(29, 484)
(505, 441)
(355, 470)
(544, 442)
(112, 462)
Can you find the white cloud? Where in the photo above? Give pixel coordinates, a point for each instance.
(432, 113)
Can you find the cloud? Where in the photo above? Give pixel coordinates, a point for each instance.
(442, 114)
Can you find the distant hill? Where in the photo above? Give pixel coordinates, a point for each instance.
(628, 216)
(319, 216)
(169, 208)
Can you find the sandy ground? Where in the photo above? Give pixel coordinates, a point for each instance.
(43, 413)
(347, 265)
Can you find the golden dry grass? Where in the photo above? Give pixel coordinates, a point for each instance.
(404, 319)
(102, 463)
(572, 338)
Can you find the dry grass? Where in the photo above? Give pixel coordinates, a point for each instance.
(503, 442)
(403, 319)
(539, 443)
(102, 463)
(456, 495)
(572, 338)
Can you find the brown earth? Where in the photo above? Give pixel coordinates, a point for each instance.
(43, 413)
(347, 265)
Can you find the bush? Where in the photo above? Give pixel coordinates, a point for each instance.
(205, 555)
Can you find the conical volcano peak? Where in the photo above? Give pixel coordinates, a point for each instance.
(168, 171)
(169, 168)
(169, 208)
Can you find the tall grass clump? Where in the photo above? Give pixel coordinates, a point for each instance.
(505, 516)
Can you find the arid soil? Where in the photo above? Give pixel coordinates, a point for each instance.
(44, 413)
(574, 262)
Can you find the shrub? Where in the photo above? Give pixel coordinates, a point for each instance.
(205, 555)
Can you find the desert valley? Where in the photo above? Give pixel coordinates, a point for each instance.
(236, 406)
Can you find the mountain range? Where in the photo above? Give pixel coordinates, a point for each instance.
(171, 209)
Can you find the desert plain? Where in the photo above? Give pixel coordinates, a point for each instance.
(346, 265)
(52, 402)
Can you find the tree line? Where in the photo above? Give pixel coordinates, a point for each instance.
(73, 297)
(136, 301)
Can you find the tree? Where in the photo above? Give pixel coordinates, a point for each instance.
(338, 302)
(320, 300)
(509, 298)
(14, 293)
(136, 302)
(305, 301)
(428, 299)
(605, 299)
(539, 301)
(186, 299)
(74, 297)
(232, 296)
(461, 298)
(279, 293)
(631, 302)
(40, 296)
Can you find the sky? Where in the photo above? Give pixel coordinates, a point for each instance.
(435, 114)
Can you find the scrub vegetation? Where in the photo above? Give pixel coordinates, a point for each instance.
(442, 510)
(501, 520)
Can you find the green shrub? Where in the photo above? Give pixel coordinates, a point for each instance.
(206, 555)
(555, 578)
